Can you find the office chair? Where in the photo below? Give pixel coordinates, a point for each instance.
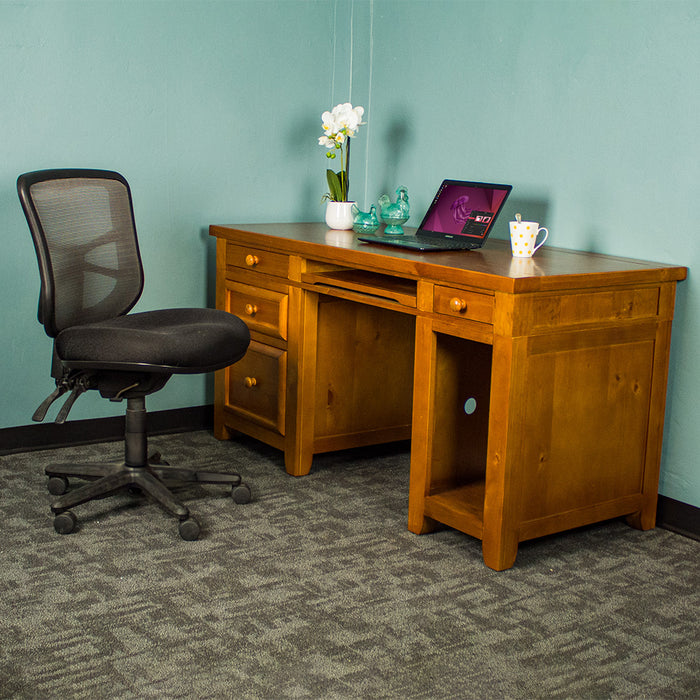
(82, 223)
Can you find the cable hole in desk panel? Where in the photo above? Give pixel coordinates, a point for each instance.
(470, 406)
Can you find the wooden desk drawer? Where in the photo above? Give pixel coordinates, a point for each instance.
(248, 258)
(263, 310)
(256, 386)
(463, 304)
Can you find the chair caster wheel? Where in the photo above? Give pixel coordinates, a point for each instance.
(241, 493)
(189, 529)
(57, 485)
(64, 523)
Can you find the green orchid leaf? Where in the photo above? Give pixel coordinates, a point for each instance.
(335, 186)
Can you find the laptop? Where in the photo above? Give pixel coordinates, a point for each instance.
(460, 217)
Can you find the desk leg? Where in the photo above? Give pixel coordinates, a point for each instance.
(645, 519)
(499, 542)
(301, 376)
(298, 464)
(502, 489)
(221, 431)
(418, 522)
(499, 547)
(421, 430)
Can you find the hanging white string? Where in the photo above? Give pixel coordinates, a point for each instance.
(335, 44)
(352, 42)
(369, 97)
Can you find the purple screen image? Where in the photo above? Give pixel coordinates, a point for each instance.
(464, 210)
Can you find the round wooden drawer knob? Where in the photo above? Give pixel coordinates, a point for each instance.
(457, 304)
(251, 309)
(251, 260)
(250, 382)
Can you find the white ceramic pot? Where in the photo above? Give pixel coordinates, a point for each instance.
(339, 215)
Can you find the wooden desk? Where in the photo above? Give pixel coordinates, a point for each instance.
(533, 389)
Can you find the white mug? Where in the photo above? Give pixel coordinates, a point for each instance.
(523, 236)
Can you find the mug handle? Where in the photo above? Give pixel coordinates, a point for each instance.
(546, 236)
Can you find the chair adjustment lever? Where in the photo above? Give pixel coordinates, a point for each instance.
(40, 413)
(80, 385)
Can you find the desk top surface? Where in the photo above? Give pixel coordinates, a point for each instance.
(492, 266)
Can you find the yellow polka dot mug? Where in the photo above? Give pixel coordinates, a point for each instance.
(523, 238)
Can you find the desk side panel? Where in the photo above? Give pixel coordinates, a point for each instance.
(585, 422)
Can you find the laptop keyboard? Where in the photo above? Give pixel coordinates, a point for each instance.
(418, 242)
(448, 245)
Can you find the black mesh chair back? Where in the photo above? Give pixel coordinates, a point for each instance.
(82, 223)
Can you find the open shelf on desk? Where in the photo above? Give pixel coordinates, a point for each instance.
(460, 425)
(461, 508)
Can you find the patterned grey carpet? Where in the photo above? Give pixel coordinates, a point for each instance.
(317, 590)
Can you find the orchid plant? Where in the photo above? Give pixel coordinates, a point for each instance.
(339, 126)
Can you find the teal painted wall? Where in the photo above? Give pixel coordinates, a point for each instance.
(588, 108)
(210, 109)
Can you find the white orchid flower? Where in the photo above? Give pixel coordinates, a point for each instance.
(347, 118)
(329, 123)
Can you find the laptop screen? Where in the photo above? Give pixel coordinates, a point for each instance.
(464, 209)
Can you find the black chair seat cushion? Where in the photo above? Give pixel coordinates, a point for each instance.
(175, 341)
